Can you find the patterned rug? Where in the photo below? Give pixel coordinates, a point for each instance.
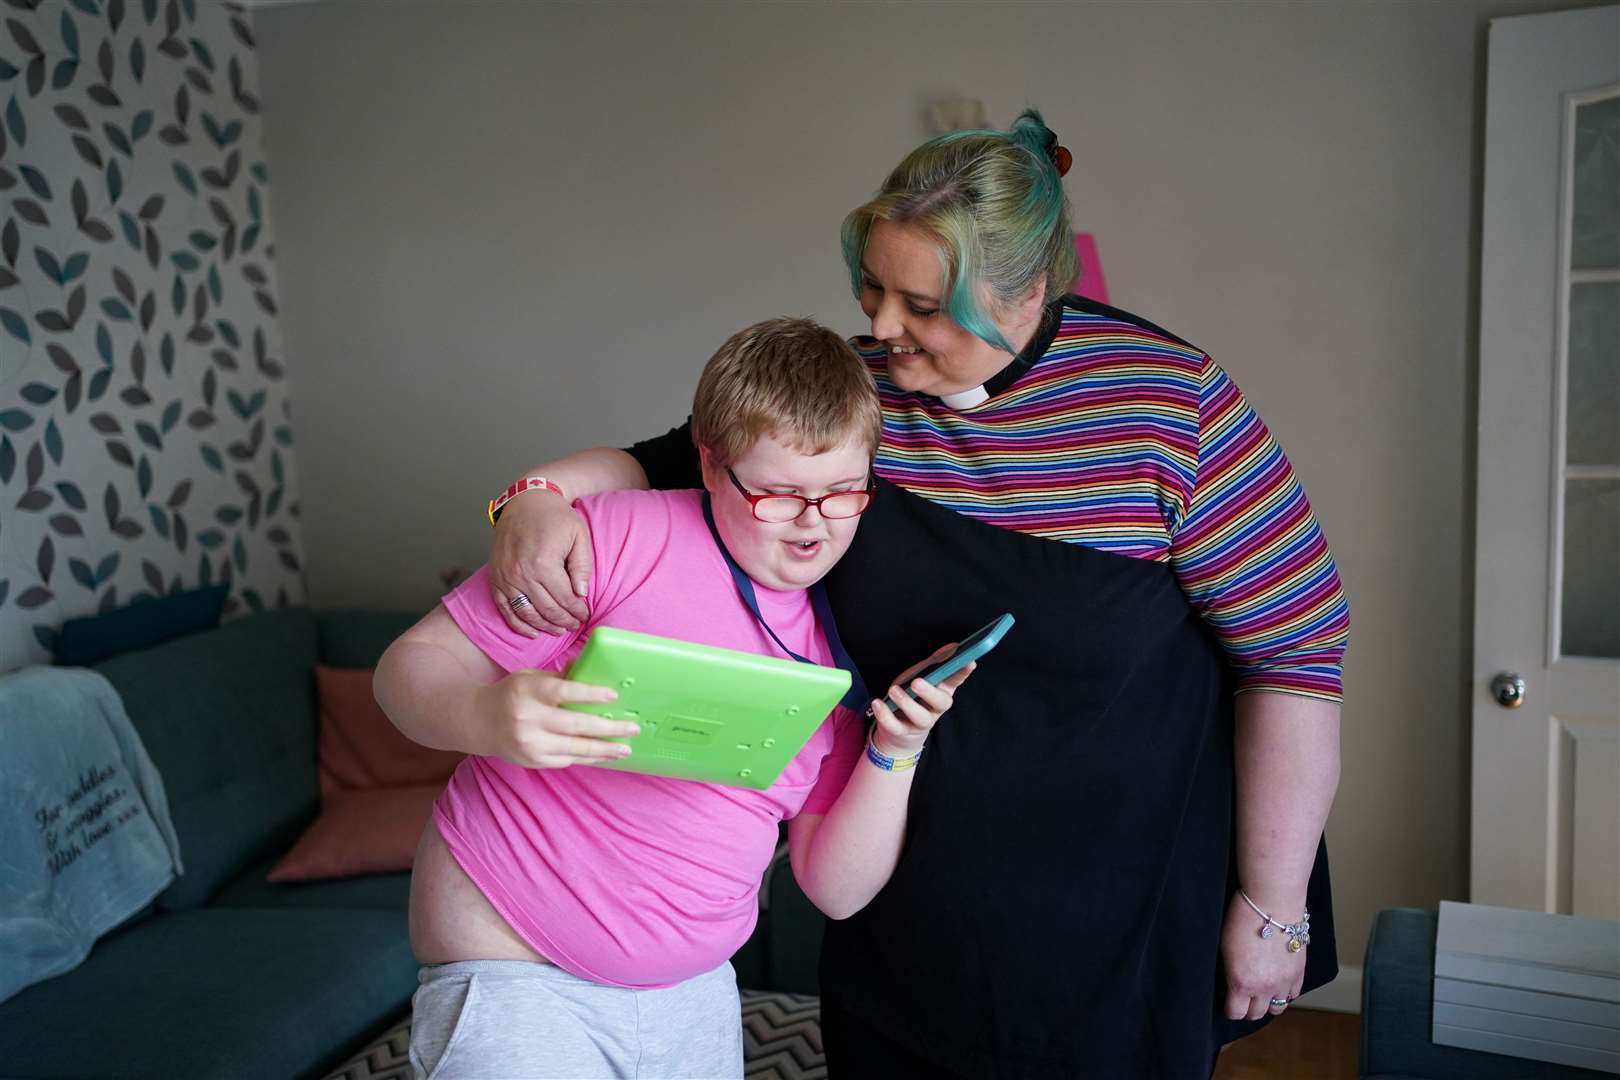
(781, 1041)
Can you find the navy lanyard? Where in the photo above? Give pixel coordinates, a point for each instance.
(857, 699)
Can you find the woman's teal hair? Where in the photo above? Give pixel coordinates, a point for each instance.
(994, 203)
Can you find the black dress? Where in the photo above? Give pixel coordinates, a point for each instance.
(1058, 904)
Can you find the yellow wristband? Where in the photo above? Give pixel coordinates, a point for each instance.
(887, 763)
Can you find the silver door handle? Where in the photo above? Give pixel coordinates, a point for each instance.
(1508, 689)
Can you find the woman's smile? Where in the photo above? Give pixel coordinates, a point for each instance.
(901, 291)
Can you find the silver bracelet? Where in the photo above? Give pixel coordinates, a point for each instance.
(1299, 934)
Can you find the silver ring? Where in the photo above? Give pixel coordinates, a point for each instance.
(1280, 1003)
(518, 601)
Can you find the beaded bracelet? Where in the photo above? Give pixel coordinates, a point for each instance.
(1299, 934)
(887, 763)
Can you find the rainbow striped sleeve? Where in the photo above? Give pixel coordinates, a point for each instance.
(1252, 559)
(1127, 439)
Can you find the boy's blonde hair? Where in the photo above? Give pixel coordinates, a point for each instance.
(792, 379)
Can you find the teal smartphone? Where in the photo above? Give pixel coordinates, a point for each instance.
(977, 644)
(974, 646)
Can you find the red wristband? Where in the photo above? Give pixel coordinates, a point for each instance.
(528, 483)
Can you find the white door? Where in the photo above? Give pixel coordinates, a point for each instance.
(1546, 774)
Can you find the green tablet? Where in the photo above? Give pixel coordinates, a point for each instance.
(706, 713)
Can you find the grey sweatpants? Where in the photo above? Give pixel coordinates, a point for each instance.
(511, 1019)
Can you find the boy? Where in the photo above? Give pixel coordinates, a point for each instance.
(577, 921)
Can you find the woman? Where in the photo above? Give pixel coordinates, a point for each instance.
(1111, 851)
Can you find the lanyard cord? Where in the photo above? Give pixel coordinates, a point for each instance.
(856, 700)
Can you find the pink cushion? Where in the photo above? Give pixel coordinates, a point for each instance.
(377, 786)
(360, 832)
(360, 747)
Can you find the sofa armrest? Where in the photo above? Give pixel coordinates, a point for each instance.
(1397, 1012)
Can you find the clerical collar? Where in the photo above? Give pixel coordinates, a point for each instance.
(1051, 318)
(967, 398)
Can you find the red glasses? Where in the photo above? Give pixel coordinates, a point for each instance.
(775, 509)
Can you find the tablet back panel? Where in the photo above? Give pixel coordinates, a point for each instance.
(706, 713)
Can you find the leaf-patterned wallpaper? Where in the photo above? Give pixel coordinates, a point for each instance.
(145, 439)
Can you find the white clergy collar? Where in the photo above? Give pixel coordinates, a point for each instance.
(966, 399)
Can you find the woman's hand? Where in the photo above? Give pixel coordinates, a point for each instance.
(1258, 969)
(903, 726)
(542, 554)
(521, 722)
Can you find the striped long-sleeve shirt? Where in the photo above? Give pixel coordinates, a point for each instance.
(1122, 437)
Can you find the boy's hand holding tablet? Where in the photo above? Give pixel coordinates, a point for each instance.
(524, 721)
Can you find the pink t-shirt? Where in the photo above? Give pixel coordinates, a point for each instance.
(621, 878)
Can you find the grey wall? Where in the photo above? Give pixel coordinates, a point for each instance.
(508, 231)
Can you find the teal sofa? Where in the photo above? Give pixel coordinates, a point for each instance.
(227, 975)
(1397, 1013)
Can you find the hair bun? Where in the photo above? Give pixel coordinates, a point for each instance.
(1030, 121)
(1058, 155)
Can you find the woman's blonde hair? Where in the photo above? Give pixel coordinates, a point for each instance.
(993, 202)
(792, 379)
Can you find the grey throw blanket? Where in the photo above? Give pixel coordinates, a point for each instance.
(85, 835)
